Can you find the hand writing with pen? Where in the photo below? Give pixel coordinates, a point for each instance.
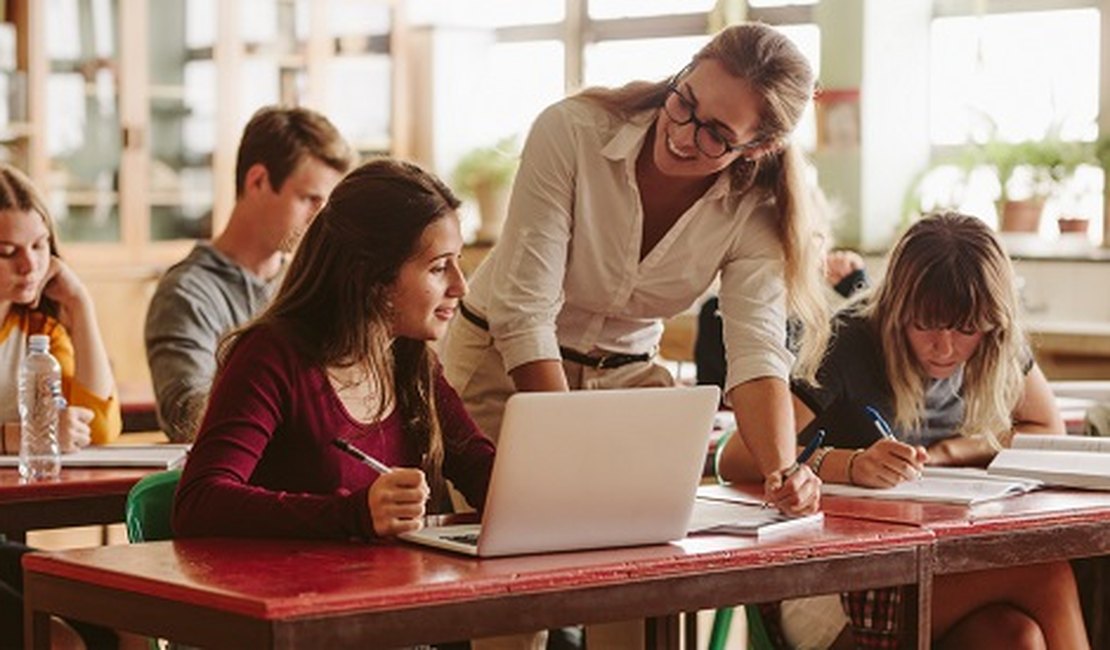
(888, 461)
(396, 498)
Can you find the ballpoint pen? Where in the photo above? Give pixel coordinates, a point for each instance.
(808, 451)
(880, 423)
(361, 455)
(810, 448)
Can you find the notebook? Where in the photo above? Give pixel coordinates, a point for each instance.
(589, 469)
(167, 456)
(720, 512)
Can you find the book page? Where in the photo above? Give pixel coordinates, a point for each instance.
(1061, 443)
(944, 490)
(727, 493)
(1081, 469)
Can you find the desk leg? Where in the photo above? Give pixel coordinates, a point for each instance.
(690, 630)
(919, 605)
(36, 629)
(662, 632)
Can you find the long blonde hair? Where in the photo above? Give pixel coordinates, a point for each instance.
(949, 271)
(780, 74)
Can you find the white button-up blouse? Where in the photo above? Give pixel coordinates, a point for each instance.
(566, 270)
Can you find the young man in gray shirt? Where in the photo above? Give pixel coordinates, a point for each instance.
(288, 162)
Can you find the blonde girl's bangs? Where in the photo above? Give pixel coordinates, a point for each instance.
(943, 301)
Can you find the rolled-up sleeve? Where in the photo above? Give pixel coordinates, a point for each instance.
(526, 300)
(753, 305)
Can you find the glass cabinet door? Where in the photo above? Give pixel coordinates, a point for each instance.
(359, 70)
(274, 35)
(182, 118)
(83, 134)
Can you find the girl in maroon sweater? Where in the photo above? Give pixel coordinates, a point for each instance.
(342, 353)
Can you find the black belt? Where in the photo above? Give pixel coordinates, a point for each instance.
(611, 360)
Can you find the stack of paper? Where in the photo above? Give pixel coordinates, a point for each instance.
(166, 456)
(1069, 461)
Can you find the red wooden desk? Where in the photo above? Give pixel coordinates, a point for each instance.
(138, 408)
(1042, 526)
(294, 594)
(80, 497)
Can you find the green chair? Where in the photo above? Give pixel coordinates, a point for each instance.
(150, 505)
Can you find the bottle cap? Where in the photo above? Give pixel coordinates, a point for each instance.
(39, 342)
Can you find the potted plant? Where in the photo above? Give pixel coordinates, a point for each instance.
(1029, 173)
(485, 174)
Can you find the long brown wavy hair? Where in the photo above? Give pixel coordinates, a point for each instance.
(334, 301)
(949, 271)
(780, 74)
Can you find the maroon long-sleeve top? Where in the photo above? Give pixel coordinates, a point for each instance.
(263, 464)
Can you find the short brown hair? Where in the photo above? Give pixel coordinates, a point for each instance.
(281, 137)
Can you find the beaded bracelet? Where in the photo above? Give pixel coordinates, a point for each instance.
(851, 463)
(818, 459)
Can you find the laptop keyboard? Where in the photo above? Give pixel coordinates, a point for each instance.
(470, 539)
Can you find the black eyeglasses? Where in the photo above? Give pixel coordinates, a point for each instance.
(707, 138)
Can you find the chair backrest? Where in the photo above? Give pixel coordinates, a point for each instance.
(149, 507)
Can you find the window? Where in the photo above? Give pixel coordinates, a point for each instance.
(989, 85)
(528, 60)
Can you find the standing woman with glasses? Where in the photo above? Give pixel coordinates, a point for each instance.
(629, 204)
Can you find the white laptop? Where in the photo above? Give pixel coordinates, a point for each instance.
(589, 469)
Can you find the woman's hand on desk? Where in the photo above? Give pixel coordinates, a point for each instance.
(796, 492)
(396, 500)
(74, 428)
(887, 463)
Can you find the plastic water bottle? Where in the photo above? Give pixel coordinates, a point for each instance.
(40, 387)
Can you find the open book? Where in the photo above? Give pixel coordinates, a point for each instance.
(960, 485)
(168, 456)
(723, 510)
(1070, 461)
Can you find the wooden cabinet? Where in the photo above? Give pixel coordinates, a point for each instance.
(134, 109)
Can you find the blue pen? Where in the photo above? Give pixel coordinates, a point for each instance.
(810, 448)
(880, 423)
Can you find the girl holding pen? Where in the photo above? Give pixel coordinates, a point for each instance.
(342, 355)
(938, 347)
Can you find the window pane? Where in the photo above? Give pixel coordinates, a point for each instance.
(358, 18)
(200, 23)
(182, 124)
(485, 13)
(359, 100)
(780, 3)
(518, 81)
(808, 39)
(629, 8)
(83, 124)
(615, 63)
(1026, 74)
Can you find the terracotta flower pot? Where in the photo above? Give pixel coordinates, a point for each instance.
(1021, 216)
(1073, 224)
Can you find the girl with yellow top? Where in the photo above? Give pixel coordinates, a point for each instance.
(40, 294)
